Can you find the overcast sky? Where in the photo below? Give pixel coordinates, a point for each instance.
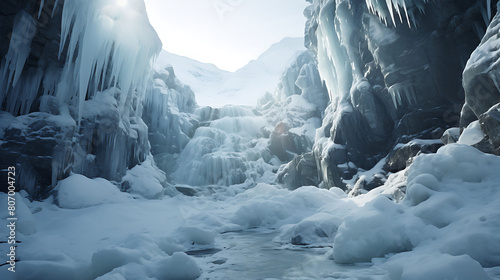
(227, 33)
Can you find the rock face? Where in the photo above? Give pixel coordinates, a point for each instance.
(71, 89)
(389, 80)
(481, 80)
(295, 110)
(301, 171)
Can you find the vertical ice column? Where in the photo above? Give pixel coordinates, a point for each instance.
(13, 64)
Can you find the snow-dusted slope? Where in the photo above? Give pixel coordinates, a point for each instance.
(216, 87)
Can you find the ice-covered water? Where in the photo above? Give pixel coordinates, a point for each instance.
(252, 254)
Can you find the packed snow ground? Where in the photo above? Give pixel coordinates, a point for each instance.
(446, 227)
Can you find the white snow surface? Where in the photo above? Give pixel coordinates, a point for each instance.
(215, 87)
(78, 191)
(446, 227)
(472, 134)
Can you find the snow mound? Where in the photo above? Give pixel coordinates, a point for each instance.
(145, 180)
(268, 206)
(177, 267)
(141, 259)
(379, 228)
(78, 191)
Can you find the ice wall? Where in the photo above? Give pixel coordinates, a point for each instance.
(85, 61)
(393, 73)
(225, 150)
(169, 114)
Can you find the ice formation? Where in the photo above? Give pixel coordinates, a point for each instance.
(118, 39)
(19, 97)
(103, 44)
(221, 151)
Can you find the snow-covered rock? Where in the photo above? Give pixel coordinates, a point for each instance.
(482, 88)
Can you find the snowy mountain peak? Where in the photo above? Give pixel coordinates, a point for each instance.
(216, 87)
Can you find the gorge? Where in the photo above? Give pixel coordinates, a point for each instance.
(374, 156)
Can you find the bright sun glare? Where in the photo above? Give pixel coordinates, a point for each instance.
(122, 3)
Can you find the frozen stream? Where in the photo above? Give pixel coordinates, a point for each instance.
(253, 255)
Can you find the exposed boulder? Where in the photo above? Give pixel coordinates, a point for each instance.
(301, 171)
(490, 124)
(402, 155)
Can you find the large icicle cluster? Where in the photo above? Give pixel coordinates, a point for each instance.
(109, 43)
(104, 44)
(386, 9)
(88, 61)
(18, 95)
(406, 10)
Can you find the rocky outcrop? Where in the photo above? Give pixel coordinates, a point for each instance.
(481, 80)
(33, 143)
(295, 110)
(389, 80)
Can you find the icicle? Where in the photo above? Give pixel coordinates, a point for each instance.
(488, 8)
(406, 13)
(391, 12)
(54, 8)
(399, 12)
(41, 8)
(15, 60)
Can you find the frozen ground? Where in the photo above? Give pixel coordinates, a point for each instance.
(446, 227)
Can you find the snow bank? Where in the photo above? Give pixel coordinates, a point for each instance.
(447, 223)
(78, 191)
(409, 266)
(379, 228)
(140, 258)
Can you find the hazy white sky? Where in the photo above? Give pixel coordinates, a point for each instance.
(227, 33)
